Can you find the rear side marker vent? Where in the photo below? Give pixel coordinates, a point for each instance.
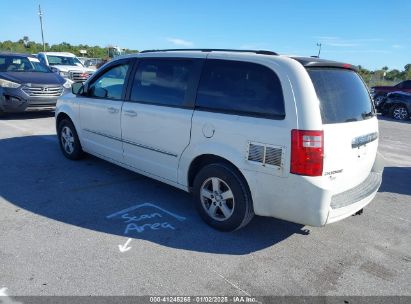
(256, 153)
(264, 154)
(273, 156)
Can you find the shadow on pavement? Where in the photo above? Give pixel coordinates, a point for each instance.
(97, 195)
(396, 180)
(388, 118)
(32, 114)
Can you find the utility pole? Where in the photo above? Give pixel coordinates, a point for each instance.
(41, 26)
(319, 49)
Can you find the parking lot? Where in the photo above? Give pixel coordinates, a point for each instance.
(61, 224)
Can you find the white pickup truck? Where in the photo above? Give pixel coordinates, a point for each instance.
(66, 64)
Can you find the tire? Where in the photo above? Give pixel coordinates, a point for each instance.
(69, 141)
(217, 206)
(399, 112)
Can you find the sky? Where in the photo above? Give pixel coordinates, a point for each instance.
(369, 33)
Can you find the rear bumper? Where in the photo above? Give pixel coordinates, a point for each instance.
(349, 202)
(300, 200)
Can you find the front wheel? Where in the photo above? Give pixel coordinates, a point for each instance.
(222, 197)
(400, 112)
(69, 141)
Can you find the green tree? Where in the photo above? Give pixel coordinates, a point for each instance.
(393, 75)
(24, 45)
(407, 71)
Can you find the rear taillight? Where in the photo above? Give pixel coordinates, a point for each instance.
(307, 152)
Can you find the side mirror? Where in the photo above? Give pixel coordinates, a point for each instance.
(100, 92)
(77, 88)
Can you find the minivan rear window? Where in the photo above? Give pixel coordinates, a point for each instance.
(342, 94)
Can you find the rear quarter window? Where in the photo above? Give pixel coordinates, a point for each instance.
(343, 95)
(242, 88)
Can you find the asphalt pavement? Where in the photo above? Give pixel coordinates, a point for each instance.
(91, 228)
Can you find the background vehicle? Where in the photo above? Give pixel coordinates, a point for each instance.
(241, 130)
(66, 64)
(378, 93)
(397, 105)
(26, 83)
(92, 63)
(112, 52)
(115, 51)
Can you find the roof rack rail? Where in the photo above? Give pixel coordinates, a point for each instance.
(262, 52)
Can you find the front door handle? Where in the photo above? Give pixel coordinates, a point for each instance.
(112, 110)
(130, 113)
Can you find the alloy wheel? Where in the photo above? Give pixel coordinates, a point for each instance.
(67, 139)
(217, 199)
(400, 113)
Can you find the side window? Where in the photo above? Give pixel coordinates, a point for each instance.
(240, 87)
(41, 58)
(162, 81)
(110, 84)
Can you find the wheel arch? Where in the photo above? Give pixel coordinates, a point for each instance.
(60, 116)
(66, 111)
(399, 103)
(203, 160)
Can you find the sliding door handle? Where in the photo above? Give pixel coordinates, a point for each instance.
(130, 113)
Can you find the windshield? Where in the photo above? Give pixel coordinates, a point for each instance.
(343, 95)
(63, 60)
(22, 64)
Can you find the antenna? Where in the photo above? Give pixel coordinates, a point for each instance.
(41, 26)
(319, 49)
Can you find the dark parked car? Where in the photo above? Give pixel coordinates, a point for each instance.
(378, 93)
(397, 105)
(25, 83)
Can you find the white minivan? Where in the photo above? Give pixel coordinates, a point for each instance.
(247, 132)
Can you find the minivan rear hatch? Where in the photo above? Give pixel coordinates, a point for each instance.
(350, 126)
